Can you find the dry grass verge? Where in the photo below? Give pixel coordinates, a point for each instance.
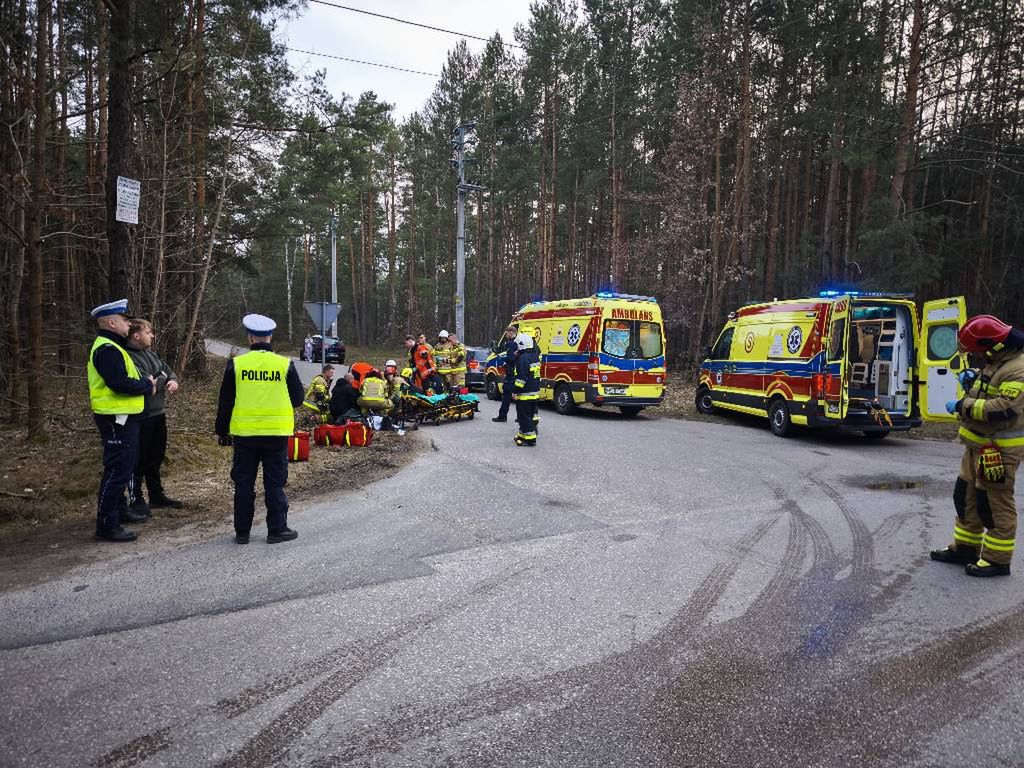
(48, 489)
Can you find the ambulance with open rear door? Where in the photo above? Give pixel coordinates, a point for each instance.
(860, 361)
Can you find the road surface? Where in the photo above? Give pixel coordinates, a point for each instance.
(644, 592)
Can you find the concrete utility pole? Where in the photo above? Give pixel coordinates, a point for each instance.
(458, 162)
(334, 272)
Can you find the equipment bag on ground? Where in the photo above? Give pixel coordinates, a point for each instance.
(358, 434)
(330, 434)
(298, 447)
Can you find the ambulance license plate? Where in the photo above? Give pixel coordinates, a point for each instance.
(615, 390)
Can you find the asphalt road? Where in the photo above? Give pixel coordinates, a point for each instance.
(643, 592)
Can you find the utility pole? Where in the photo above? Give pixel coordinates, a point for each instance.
(334, 272)
(458, 162)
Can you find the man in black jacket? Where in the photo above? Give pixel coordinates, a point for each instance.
(510, 351)
(344, 400)
(117, 393)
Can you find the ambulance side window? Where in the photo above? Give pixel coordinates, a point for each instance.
(835, 339)
(721, 350)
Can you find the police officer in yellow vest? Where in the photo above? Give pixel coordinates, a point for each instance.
(255, 414)
(117, 395)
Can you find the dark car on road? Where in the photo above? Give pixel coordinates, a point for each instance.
(335, 350)
(476, 370)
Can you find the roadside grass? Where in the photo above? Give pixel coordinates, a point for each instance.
(48, 488)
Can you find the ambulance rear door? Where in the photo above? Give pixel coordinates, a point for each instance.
(832, 381)
(938, 357)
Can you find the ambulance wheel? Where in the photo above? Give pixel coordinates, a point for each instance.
(705, 403)
(630, 411)
(877, 435)
(564, 403)
(778, 416)
(491, 387)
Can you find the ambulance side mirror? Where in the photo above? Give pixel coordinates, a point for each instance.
(705, 352)
(954, 363)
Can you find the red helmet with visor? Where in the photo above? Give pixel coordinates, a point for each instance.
(983, 332)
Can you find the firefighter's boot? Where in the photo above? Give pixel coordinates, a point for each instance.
(962, 555)
(983, 569)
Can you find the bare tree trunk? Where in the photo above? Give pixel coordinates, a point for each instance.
(909, 120)
(119, 142)
(34, 228)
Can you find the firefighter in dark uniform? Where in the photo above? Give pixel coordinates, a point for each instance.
(117, 395)
(526, 389)
(991, 415)
(509, 349)
(255, 414)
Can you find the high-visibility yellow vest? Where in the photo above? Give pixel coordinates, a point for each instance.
(262, 405)
(373, 393)
(441, 357)
(104, 400)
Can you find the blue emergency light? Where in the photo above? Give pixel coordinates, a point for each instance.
(865, 294)
(626, 296)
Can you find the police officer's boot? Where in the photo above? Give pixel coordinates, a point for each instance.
(962, 555)
(983, 568)
(131, 515)
(118, 534)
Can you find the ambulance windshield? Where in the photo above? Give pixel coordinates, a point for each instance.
(631, 339)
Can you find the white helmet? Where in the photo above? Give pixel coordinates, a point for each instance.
(443, 335)
(524, 341)
(390, 364)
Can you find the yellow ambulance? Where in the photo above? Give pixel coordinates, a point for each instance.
(860, 361)
(605, 350)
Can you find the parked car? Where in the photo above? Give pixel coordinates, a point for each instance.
(476, 370)
(335, 350)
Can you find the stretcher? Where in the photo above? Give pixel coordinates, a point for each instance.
(415, 409)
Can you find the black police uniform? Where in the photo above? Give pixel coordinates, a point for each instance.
(120, 441)
(250, 452)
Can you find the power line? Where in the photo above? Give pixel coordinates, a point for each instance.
(410, 23)
(360, 61)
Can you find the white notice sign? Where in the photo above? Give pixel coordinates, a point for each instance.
(128, 193)
(776, 349)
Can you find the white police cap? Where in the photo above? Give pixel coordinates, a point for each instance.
(119, 307)
(443, 335)
(259, 325)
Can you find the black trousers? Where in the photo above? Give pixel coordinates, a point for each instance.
(506, 397)
(249, 453)
(526, 413)
(120, 449)
(152, 451)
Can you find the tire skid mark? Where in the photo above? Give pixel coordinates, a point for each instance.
(863, 545)
(893, 523)
(643, 665)
(787, 573)
(136, 751)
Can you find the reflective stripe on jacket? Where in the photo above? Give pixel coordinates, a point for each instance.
(992, 411)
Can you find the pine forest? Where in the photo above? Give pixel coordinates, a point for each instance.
(706, 152)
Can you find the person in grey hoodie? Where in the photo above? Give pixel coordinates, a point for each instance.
(153, 428)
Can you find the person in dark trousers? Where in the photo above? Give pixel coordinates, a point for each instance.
(527, 389)
(256, 414)
(117, 394)
(153, 425)
(509, 349)
(344, 400)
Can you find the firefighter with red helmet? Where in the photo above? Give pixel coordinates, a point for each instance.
(991, 417)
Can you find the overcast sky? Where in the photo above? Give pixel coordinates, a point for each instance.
(354, 35)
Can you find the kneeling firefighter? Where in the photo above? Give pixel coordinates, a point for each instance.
(373, 393)
(526, 388)
(992, 428)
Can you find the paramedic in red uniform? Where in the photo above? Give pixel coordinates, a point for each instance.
(991, 417)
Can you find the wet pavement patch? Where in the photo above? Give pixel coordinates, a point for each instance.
(624, 537)
(898, 485)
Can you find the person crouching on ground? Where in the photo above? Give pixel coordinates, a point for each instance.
(344, 400)
(316, 406)
(153, 425)
(256, 414)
